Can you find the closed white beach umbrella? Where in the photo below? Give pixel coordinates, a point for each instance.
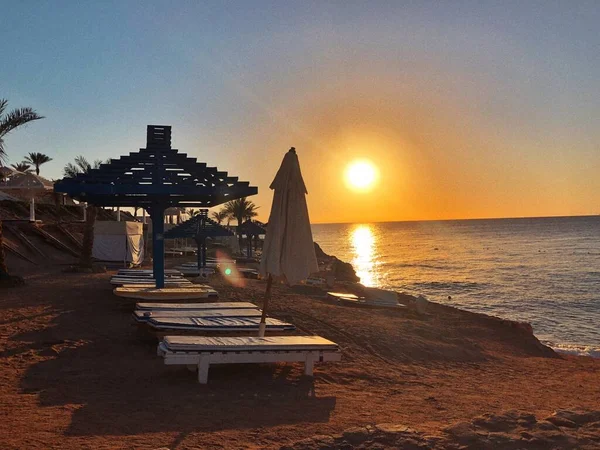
(288, 250)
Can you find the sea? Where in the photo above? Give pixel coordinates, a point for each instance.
(545, 271)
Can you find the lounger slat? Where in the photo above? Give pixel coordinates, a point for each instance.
(193, 306)
(272, 343)
(144, 316)
(216, 324)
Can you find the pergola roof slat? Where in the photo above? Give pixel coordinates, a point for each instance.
(159, 171)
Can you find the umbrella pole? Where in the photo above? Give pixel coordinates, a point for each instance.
(263, 317)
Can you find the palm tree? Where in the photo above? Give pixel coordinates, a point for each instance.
(220, 215)
(240, 209)
(11, 120)
(22, 167)
(8, 122)
(37, 159)
(82, 165)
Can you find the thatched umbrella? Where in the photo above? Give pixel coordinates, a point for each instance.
(288, 250)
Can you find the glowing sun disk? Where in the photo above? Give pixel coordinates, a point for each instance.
(361, 175)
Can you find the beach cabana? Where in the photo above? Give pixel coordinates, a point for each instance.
(119, 241)
(155, 178)
(199, 227)
(252, 229)
(27, 185)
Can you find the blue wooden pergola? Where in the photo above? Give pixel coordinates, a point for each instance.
(251, 228)
(155, 178)
(199, 227)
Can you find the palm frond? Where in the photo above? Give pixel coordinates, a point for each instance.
(22, 167)
(16, 118)
(12, 120)
(3, 103)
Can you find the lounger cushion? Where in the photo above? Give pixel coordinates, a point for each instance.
(217, 323)
(235, 344)
(193, 306)
(167, 293)
(144, 316)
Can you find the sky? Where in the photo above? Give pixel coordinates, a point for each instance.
(467, 109)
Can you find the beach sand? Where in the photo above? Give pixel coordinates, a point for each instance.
(75, 374)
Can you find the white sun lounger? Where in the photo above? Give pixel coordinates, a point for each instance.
(214, 324)
(204, 351)
(167, 293)
(148, 285)
(146, 272)
(119, 281)
(141, 316)
(353, 300)
(145, 306)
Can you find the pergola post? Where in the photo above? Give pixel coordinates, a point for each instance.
(32, 209)
(199, 253)
(157, 214)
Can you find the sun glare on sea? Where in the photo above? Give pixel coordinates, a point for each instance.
(363, 243)
(361, 175)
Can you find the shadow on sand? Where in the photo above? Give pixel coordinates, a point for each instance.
(123, 388)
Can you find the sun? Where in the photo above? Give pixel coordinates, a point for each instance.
(361, 175)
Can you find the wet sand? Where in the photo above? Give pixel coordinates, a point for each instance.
(76, 375)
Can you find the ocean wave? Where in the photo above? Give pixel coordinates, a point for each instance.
(579, 350)
(420, 266)
(451, 285)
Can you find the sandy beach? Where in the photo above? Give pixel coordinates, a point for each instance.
(76, 375)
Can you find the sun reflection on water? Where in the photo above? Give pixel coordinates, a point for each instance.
(363, 245)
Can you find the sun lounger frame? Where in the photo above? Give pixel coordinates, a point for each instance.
(203, 359)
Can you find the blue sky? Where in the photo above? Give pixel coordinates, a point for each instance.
(470, 109)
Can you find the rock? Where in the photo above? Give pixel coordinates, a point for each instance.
(356, 435)
(561, 422)
(462, 432)
(319, 253)
(579, 418)
(393, 428)
(494, 422)
(421, 304)
(526, 420)
(324, 441)
(344, 271)
(548, 426)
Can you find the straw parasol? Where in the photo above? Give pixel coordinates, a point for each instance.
(288, 250)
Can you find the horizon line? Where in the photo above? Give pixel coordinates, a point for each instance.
(455, 220)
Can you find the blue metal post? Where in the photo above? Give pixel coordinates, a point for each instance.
(158, 244)
(199, 244)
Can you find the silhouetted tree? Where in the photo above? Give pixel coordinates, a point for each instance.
(37, 159)
(8, 122)
(82, 165)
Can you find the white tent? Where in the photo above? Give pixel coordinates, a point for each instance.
(119, 241)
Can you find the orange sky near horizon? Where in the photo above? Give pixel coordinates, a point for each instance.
(438, 158)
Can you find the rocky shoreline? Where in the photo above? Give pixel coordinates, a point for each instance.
(346, 277)
(507, 430)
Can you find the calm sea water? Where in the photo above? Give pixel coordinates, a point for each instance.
(545, 271)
